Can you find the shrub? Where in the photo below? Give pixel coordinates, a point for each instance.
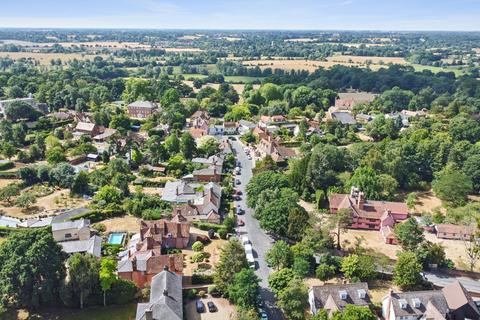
(199, 257)
(191, 294)
(122, 292)
(100, 227)
(325, 272)
(202, 278)
(213, 291)
(207, 226)
(222, 233)
(202, 293)
(197, 246)
(6, 165)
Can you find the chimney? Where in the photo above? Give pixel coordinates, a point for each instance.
(360, 200)
(149, 314)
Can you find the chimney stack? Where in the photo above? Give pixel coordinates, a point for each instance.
(149, 314)
(360, 200)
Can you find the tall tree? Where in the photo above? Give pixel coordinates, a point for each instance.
(83, 270)
(279, 256)
(244, 289)
(406, 272)
(341, 220)
(294, 300)
(232, 261)
(409, 234)
(188, 145)
(107, 276)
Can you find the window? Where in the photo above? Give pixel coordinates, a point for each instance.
(371, 226)
(68, 235)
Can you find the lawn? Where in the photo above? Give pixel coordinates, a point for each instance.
(242, 79)
(458, 72)
(124, 312)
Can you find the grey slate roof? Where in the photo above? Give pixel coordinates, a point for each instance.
(65, 225)
(332, 292)
(166, 302)
(92, 245)
(436, 298)
(344, 117)
(142, 104)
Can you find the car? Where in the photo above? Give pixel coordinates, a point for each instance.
(238, 210)
(237, 198)
(245, 240)
(211, 306)
(200, 306)
(237, 181)
(263, 314)
(240, 223)
(249, 157)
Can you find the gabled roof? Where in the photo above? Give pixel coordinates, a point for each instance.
(92, 245)
(166, 301)
(457, 297)
(328, 295)
(143, 104)
(85, 126)
(433, 297)
(454, 229)
(75, 224)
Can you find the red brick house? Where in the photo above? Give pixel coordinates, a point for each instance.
(454, 232)
(88, 128)
(145, 259)
(207, 175)
(272, 147)
(141, 109)
(368, 214)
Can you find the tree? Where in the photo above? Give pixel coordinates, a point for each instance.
(409, 234)
(264, 181)
(341, 220)
(406, 272)
(325, 271)
(301, 266)
(21, 110)
(188, 145)
(358, 267)
(279, 256)
(232, 261)
(56, 155)
(9, 191)
(452, 185)
(80, 184)
(108, 195)
(471, 168)
(279, 280)
(353, 312)
(367, 180)
(431, 253)
(25, 200)
(8, 150)
(28, 175)
(83, 270)
(32, 269)
(298, 220)
(62, 175)
(294, 300)
(244, 289)
(325, 163)
(198, 246)
(172, 143)
(270, 92)
(120, 122)
(107, 275)
(208, 146)
(472, 249)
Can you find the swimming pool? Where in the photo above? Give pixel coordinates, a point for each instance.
(116, 237)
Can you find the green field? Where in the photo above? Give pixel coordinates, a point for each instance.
(241, 79)
(124, 312)
(458, 72)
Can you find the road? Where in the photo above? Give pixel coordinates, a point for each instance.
(442, 280)
(261, 242)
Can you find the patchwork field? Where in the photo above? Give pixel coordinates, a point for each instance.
(45, 58)
(311, 65)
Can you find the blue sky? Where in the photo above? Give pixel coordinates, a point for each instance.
(244, 14)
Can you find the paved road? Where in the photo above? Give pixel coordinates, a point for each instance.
(261, 242)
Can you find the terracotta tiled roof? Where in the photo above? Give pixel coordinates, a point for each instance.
(451, 228)
(371, 208)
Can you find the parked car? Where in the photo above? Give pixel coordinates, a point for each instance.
(237, 198)
(200, 306)
(240, 223)
(263, 314)
(249, 157)
(238, 210)
(237, 181)
(238, 192)
(211, 306)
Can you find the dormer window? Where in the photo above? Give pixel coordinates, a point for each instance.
(343, 294)
(403, 303)
(416, 302)
(362, 294)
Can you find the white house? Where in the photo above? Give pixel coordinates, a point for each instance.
(71, 230)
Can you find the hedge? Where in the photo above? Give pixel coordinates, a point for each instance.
(97, 215)
(207, 226)
(5, 231)
(8, 175)
(202, 278)
(6, 165)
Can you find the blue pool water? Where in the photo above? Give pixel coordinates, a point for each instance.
(116, 238)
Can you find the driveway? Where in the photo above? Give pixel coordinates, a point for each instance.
(226, 310)
(261, 242)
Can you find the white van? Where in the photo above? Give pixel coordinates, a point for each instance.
(245, 240)
(248, 248)
(251, 260)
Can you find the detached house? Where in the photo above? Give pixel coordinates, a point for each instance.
(453, 302)
(87, 128)
(369, 214)
(166, 299)
(271, 147)
(334, 297)
(142, 109)
(71, 230)
(454, 232)
(145, 259)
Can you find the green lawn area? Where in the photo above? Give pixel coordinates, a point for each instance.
(194, 76)
(124, 312)
(457, 71)
(243, 79)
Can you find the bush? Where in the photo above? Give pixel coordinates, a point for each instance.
(325, 272)
(207, 226)
(199, 257)
(202, 293)
(97, 215)
(213, 291)
(6, 165)
(197, 246)
(122, 292)
(191, 294)
(222, 233)
(5, 231)
(202, 279)
(100, 227)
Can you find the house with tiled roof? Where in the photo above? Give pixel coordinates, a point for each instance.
(334, 297)
(451, 303)
(145, 258)
(87, 128)
(454, 232)
(369, 214)
(142, 109)
(71, 230)
(166, 299)
(271, 147)
(93, 245)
